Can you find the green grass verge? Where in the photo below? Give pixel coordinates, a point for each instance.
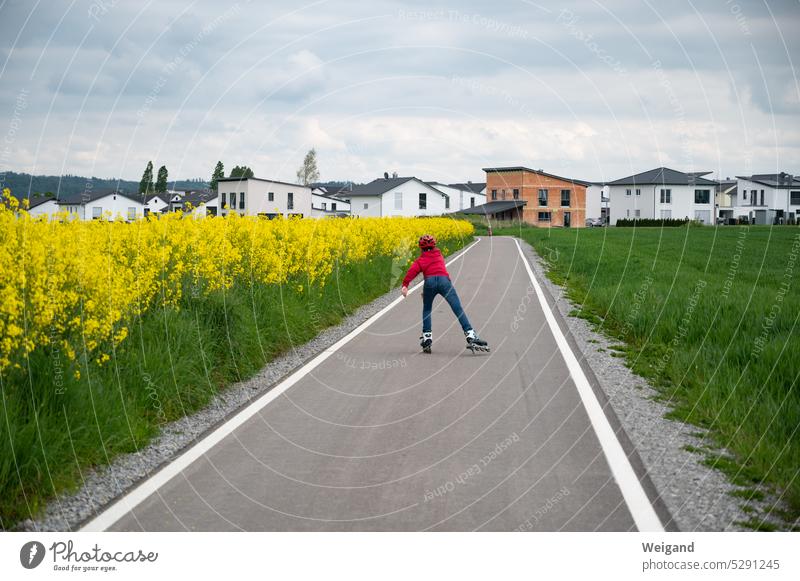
(173, 363)
(710, 316)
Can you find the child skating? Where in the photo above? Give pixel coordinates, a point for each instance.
(437, 282)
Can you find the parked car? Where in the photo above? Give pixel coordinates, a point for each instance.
(594, 223)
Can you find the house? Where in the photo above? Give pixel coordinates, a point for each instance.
(461, 196)
(767, 199)
(724, 200)
(200, 203)
(663, 193)
(156, 204)
(334, 189)
(539, 198)
(323, 206)
(597, 201)
(99, 205)
(397, 196)
(476, 187)
(40, 204)
(262, 197)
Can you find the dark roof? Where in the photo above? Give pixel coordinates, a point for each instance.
(35, 199)
(662, 175)
(197, 198)
(538, 171)
(474, 187)
(86, 197)
(382, 185)
(774, 180)
(495, 207)
(261, 180)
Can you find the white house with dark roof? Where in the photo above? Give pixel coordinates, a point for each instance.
(156, 204)
(200, 203)
(262, 197)
(662, 193)
(102, 205)
(767, 198)
(325, 206)
(397, 196)
(39, 204)
(461, 196)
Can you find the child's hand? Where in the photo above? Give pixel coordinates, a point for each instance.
(404, 290)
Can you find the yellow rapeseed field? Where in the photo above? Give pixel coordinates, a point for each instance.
(76, 285)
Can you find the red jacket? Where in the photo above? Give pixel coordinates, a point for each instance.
(429, 263)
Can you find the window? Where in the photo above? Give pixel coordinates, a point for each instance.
(366, 205)
(754, 197)
(702, 196)
(627, 213)
(638, 192)
(333, 206)
(494, 194)
(398, 200)
(324, 205)
(794, 198)
(241, 200)
(290, 201)
(744, 195)
(423, 201)
(271, 197)
(131, 213)
(542, 197)
(96, 212)
(472, 201)
(502, 194)
(666, 197)
(447, 202)
(637, 213)
(628, 192)
(666, 214)
(516, 194)
(565, 198)
(544, 216)
(762, 197)
(222, 200)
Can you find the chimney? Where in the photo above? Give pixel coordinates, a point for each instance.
(386, 175)
(394, 174)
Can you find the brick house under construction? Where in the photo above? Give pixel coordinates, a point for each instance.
(536, 197)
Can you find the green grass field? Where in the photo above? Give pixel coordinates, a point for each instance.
(173, 363)
(710, 316)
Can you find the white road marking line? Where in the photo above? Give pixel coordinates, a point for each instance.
(132, 499)
(642, 511)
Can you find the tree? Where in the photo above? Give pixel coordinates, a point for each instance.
(146, 185)
(241, 172)
(161, 181)
(308, 172)
(219, 172)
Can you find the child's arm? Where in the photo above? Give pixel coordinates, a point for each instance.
(410, 275)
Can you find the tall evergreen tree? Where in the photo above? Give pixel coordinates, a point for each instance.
(146, 186)
(308, 172)
(161, 181)
(219, 172)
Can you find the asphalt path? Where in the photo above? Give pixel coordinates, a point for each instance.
(379, 436)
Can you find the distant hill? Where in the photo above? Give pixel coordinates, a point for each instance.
(23, 183)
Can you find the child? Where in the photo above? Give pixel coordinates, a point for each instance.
(437, 282)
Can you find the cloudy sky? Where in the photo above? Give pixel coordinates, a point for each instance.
(591, 89)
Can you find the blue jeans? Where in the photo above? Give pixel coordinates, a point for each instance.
(441, 285)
